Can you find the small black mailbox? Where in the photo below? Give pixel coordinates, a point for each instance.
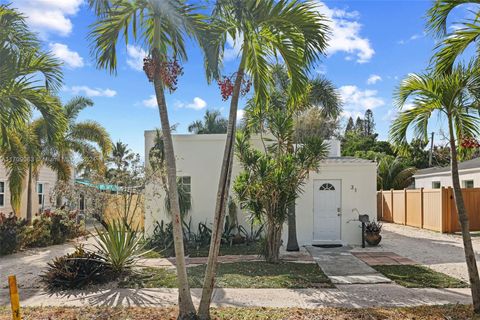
(363, 218)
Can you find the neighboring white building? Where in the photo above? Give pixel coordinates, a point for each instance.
(437, 177)
(43, 185)
(327, 211)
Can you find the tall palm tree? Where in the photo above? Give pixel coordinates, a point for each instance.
(28, 77)
(466, 32)
(265, 29)
(452, 95)
(212, 123)
(162, 27)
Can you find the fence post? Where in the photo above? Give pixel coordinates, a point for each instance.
(405, 205)
(391, 201)
(422, 209)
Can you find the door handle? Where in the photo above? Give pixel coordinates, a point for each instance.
(339, 211)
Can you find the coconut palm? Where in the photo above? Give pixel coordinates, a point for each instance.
(120, 157)
(212, 123)
(465, 33)
(453, 96)
(162, 27)
(264, 29)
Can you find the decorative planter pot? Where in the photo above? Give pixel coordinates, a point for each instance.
(373, 238)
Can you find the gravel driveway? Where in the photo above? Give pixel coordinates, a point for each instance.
(441, 252)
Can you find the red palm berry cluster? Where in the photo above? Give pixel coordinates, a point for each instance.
(469, 143)
(227, 83)
(168, 71)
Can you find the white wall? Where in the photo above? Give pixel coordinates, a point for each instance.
(445, 179)
(200, 157)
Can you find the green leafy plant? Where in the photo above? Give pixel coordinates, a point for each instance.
(120, 246)
(39, 233)
(76, 270)
(11, 233)
(373, 227)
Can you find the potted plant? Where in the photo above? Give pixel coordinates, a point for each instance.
(372, 233)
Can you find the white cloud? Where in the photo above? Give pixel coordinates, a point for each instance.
(135, 57)
(346, 34)
(374, 78)
(412, 38)
(357, 101)
(91, 92)
(240, 115)
(71, 58)
(233, 48)
(50, 16)
(197, 104)
(150, 102)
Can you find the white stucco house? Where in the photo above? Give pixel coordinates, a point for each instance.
(327, 211)
(437, 177)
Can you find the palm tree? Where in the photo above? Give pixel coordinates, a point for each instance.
(392, 173)
(121, 155)
(454, 44)
(212, 123)
(292, 30)
(452, 95)
(161, 26)
(320, 97)
(28, 75)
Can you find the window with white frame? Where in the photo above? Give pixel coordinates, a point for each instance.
(467, 184)
(436, 185)
(2, 193)
(40, 194)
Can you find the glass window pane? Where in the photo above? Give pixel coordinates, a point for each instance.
(186, 180)
(39, 187)
(2, 187)
(40, 198)
(2, 200)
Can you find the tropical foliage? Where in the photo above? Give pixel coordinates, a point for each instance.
(212, 123)
(452, 95)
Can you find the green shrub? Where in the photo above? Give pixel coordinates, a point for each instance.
(11, 233)
(39, 233)
(119, 246)
(76, 270)
(52, 228)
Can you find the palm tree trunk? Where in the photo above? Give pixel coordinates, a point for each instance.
(464, 223)
(222, 198)
(29, 194)
(185, 303)
(292, 243)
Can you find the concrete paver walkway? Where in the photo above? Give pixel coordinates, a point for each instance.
(341, 267)
(347, 296)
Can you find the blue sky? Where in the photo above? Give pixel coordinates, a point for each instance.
(374, 45)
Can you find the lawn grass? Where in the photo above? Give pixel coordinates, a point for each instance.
(414, 276)
(457, 312)
(236, 249)
(251, 274)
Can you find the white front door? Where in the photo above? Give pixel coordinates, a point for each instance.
(327, 211)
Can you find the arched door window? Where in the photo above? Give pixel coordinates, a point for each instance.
(327, 187)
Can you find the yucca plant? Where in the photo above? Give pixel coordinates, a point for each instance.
(120, 246)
